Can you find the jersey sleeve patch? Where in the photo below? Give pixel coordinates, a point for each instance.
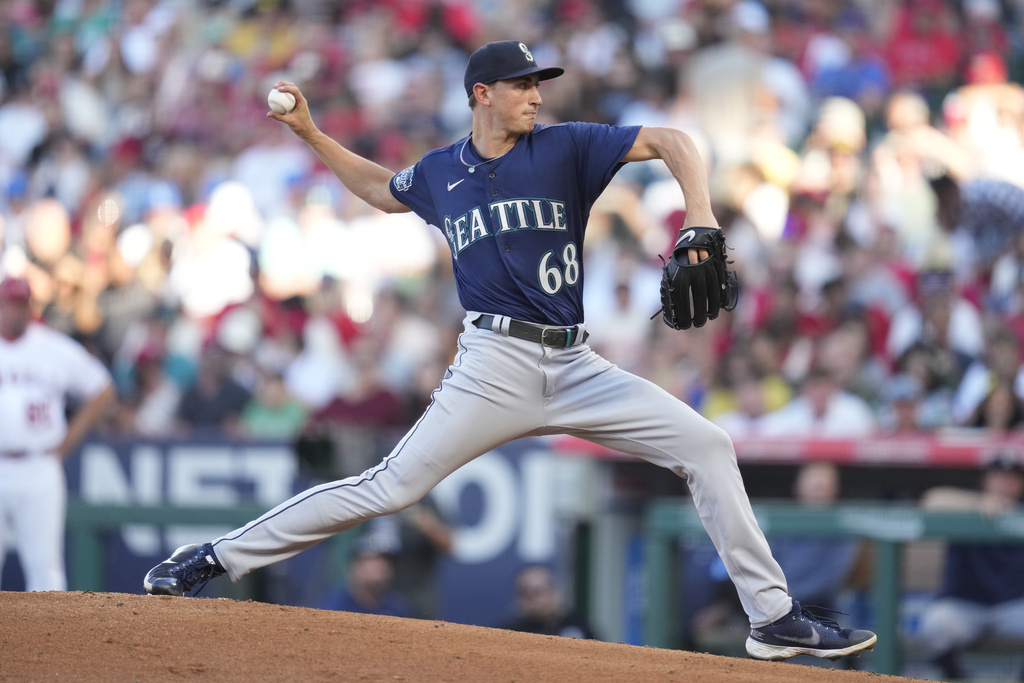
(403, 181)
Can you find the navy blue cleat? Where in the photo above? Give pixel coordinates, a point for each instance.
(187, 567)
(804, 632)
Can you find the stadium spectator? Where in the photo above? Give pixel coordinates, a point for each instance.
(984, 116)
(149, 407)
(923, 50)
(940, 318)
(621, 328)
(818, 570)
(744, 419)
(369, 584)
(855, 68)
(821, 409)
(910, 152)
(900, 410)
(980, 218)
(846, 352)
(271, 412)
(937, 375)
(982, 591)
(214, 402)
(541, 607)
(1000, 411)
(1000, 365)
(744, 387)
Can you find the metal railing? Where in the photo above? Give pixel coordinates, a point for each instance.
(88, 523)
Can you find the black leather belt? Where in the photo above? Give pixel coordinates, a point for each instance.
(557, 337)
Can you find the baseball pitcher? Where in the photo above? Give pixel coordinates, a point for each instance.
(512, 199)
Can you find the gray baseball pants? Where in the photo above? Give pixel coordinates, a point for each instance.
(500, 388)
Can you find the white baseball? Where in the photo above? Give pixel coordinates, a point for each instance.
(281, 102)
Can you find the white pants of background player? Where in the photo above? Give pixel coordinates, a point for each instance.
(33, 498)
(501, 388)
(950, 624)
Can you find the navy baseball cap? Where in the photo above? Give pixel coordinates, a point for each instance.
(502, 60)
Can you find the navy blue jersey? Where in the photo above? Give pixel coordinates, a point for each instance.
(515, 224)
(984, 573)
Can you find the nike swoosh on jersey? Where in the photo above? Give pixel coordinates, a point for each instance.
(451, 186)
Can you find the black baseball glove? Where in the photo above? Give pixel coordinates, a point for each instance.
(693, 293)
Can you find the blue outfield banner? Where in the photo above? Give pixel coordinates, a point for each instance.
(501, 508)
(210, 473)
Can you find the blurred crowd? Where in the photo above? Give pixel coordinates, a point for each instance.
(865, 159)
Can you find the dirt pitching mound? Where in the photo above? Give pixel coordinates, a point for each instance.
(113, 637)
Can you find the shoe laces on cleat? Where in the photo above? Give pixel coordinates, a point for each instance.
(817, 619)
(821, 616)
(196, 572)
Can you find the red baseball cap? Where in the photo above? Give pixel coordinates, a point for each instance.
(15, 289)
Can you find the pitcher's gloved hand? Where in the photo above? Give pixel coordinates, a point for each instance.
(693, 293)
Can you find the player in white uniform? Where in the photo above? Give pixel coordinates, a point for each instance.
(39, 368)
(513, 198)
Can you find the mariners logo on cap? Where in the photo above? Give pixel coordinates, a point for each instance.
(504, 60)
